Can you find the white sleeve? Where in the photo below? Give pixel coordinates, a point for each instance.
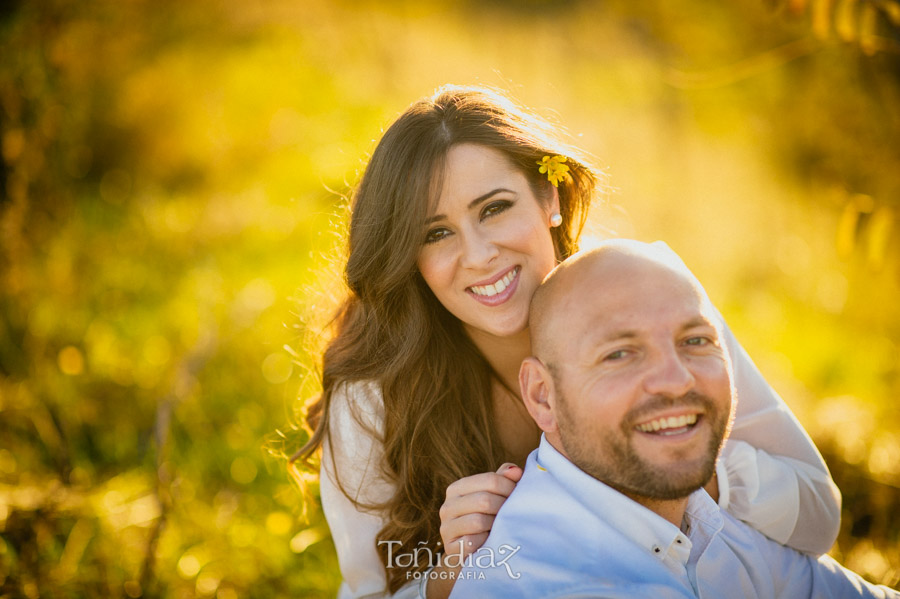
(771, 475)
(355, 451)
(776, 479)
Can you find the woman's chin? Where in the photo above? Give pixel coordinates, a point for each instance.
(498, 330)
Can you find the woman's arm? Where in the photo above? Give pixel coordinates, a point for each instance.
(354, 453)
(774, 477)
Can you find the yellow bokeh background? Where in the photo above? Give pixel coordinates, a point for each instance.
(173, 188)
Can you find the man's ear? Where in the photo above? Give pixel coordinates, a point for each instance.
(538, 393)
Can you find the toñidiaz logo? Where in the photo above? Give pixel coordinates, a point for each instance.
(483, 559)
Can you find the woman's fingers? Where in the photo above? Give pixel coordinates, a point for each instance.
(510, 471)
(485, 495)
(474, 503)
(461, 518)
(466, 544)
(490, 482)
(468, 512)
(465, 529)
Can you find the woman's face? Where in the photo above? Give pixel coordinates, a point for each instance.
(487, 246)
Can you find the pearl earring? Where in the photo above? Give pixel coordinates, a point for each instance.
(555, 219)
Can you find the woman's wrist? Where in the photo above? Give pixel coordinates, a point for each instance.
(438, 581)
(423, 584)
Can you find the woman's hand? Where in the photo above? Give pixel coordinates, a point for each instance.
(466, 519)
(469, 509)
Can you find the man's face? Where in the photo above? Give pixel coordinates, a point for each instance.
(643, 395)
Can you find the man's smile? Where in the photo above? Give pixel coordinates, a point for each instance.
(671, 425)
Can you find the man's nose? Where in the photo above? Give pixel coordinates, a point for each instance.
(668, 374)
(478, 250)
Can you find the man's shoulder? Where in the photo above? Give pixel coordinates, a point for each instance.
(544, 542)
(768, 568)
(540, 515)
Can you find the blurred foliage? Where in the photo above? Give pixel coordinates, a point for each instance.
(171, 186)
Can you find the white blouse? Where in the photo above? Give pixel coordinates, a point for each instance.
(770, 476)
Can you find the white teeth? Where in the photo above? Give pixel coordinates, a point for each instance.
(498, 287)
(667, 423)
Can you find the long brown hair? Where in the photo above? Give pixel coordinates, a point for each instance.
(438, 420)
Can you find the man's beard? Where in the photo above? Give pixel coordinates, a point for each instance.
(611, 458)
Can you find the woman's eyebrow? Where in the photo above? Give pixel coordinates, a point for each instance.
(472, 204)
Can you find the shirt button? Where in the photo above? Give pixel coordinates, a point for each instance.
(678, 541)
(657, 549)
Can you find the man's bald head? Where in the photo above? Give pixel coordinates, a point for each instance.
(581, 278)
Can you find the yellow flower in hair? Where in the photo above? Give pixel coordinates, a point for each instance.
(555, 168)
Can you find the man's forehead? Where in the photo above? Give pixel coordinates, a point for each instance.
(634, 325)
(641, 318)
(623, 281)
(605, 287)
(629, 299)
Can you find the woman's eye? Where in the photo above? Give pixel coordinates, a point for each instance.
(435, 235)
(495, 208)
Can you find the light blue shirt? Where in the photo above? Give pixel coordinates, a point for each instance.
(563, 533)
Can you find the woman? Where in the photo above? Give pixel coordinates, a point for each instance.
(467, 202)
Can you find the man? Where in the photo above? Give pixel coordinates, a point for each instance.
(634, 410)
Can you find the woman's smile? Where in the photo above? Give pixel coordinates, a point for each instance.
(496, 292)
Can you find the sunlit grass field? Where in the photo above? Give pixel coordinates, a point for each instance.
(173, 188)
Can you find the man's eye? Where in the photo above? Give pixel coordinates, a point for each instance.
(697, 341)
(616, 355)
(435, 235)
(495, 208)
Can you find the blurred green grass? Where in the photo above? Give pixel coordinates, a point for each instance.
(172, 193)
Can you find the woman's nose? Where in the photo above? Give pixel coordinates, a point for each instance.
(478, 250)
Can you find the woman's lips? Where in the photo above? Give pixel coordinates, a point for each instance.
(497, 291)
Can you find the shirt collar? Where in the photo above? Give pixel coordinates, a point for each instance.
(702, 513)
(644, 527)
